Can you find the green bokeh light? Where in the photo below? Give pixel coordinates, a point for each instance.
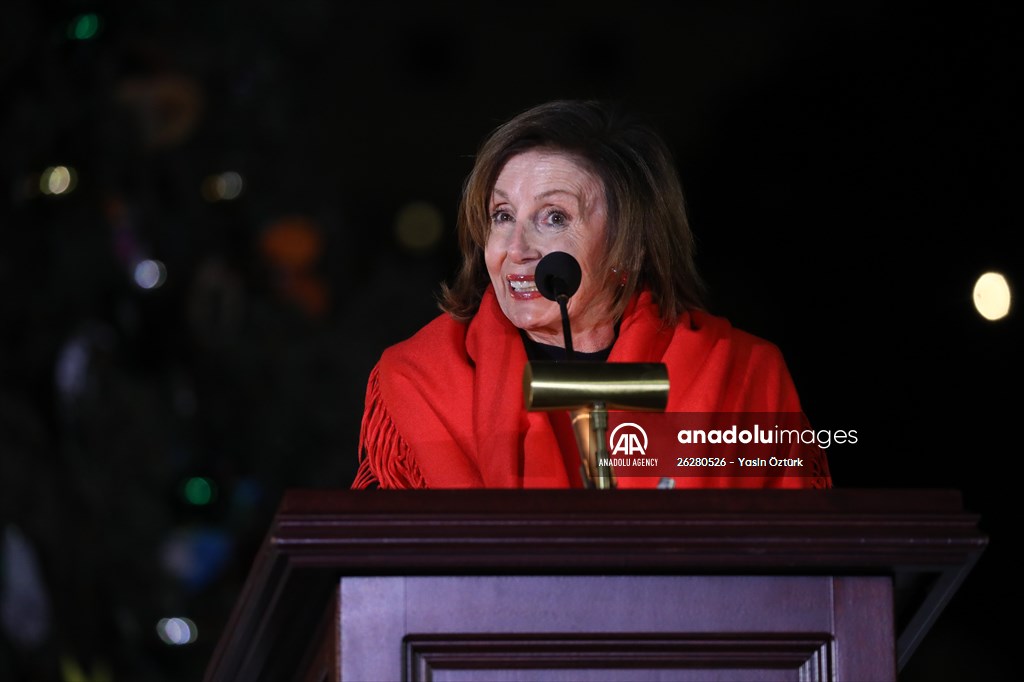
(199, 490)
(84, 27)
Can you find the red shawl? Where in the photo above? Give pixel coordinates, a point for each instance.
(445, 408)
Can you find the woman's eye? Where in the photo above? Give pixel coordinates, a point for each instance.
(501, 216)
(556, 219)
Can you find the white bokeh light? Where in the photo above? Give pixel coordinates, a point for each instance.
(992, 296)
(222, 186)
(176, 631)
(57, 180)
(149, 274)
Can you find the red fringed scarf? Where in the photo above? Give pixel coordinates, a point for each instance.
(445, 408)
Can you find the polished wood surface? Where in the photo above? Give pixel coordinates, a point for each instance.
(922, 542)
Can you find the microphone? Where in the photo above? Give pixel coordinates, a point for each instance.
(558, 274)
(558, 277)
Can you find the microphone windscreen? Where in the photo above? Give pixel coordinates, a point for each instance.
(558, 274)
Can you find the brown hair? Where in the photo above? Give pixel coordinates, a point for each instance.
(648, 235)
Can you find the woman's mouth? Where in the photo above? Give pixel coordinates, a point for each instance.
(522, 287)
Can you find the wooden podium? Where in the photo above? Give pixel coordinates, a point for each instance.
(596, 585)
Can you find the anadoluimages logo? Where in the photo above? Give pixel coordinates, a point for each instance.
(628, 439)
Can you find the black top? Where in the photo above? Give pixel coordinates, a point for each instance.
(542, 352)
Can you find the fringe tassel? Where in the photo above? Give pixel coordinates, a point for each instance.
(384, 457)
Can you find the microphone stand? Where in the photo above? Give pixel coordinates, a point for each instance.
(599, 427)
(597, 451)
(563, 305)
(595, 470)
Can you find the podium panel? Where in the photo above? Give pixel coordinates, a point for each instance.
(539, 628)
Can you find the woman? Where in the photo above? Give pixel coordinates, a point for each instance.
(445, 408)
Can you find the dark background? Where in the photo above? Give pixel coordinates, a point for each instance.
(850, 167)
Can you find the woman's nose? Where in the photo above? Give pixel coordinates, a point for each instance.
(520, 247)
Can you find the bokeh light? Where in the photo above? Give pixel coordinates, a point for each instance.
(177, 631)
(57, 180)
(222, 186)
(149, 274)
(992, 296)
(196, 555)
(418, 226)
(84, 27)
(199, 490)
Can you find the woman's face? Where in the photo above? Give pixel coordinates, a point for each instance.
(544, 201)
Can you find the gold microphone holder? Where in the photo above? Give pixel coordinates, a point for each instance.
(588, 390)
